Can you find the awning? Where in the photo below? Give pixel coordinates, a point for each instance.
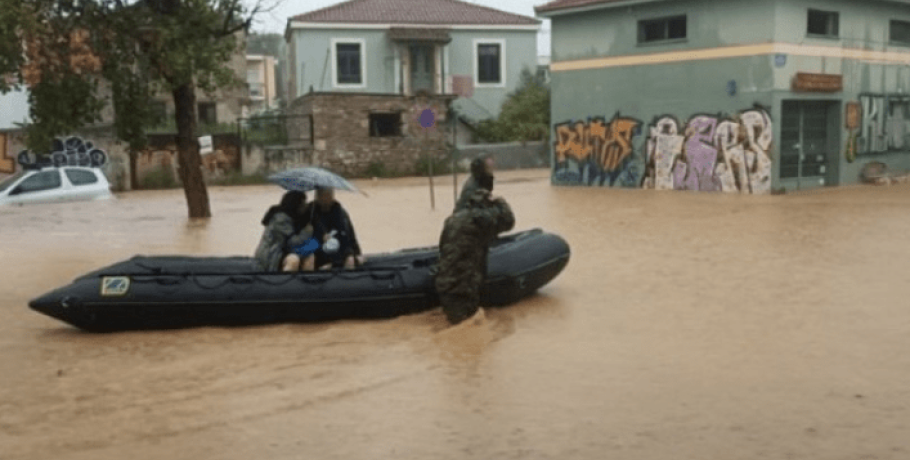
(413, 34)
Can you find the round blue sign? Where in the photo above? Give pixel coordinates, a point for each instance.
(427, 118)
(780, 60)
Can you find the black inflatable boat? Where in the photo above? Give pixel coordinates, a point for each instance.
(166, 292)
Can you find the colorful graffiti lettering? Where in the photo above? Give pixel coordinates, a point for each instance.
(712, 154)
(600, 151)
(885, 123)
(73, 151)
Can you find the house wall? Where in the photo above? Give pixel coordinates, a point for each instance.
(116, 169)
(653, 110)
(863, 25)
(309, 50)
(520, 52)
(14, 108)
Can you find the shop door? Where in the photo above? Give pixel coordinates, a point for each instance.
(807, 156)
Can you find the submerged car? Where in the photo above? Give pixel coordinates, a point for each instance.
(53, 184)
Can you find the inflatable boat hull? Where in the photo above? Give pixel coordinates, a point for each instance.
(166, 292)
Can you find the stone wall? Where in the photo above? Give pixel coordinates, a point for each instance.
(267, 160)
(342, 140)
(161, 156)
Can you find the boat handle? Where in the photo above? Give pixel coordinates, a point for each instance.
(382, 276)
(168, 281)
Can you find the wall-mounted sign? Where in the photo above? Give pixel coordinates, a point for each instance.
(780, 60)
(205, 145)
(818, 83)
(853, 115)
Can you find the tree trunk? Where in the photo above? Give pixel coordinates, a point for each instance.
(188, 160)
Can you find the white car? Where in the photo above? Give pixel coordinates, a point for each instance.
(49, 184)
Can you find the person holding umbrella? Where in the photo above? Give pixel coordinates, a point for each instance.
(332, 227)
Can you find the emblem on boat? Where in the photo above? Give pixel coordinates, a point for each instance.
(114, 285)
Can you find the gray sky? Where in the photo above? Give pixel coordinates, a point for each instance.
(276, 20)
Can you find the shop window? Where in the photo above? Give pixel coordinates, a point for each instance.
(656, 30)
(900, 32)
(822, 23)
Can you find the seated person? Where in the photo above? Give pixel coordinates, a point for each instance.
(286, 228)
(331, 222)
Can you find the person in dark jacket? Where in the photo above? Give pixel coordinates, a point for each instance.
(463, 249)
(286, 228)
(481, 177)
(333, 228)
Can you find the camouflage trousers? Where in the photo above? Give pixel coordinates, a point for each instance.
(459, 307)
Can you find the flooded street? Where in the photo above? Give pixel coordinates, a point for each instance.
(686, 326)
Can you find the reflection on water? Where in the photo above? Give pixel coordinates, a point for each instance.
(685, 326)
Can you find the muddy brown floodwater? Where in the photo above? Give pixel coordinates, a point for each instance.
(686, 326)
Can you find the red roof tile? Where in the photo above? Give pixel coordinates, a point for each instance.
(566, 4)
(442, 12)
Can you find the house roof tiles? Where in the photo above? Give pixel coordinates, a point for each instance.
(436, 12)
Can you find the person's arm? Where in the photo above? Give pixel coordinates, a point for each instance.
(506, 219)
(281, 228)
(355, 245)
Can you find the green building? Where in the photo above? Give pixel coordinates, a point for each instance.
(740, 96)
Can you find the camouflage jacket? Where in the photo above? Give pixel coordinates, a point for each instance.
(470, 186)
(465, 240)
(278, 240)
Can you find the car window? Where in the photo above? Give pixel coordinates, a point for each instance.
(6, 183)
(80, 177)
(46, 180)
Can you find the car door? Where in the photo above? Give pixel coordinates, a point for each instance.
(41, 187)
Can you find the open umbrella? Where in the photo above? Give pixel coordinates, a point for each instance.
(310, 178)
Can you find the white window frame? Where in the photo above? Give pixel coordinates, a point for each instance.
(502, 62)
(363, 62)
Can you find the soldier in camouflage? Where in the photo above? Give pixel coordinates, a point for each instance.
(481, 177)
(463, 248)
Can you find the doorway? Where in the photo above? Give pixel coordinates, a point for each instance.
(422, 67)
(809, 144)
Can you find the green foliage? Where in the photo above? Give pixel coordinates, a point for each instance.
(525, 115)
(142, 48)
(159, 178)
(237, 178)
(265, 130)
(377, 169)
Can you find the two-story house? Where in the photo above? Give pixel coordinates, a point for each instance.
(363, 71)
(742, 96)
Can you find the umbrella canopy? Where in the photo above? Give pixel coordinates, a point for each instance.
(310, 178)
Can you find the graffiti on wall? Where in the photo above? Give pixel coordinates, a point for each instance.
(711, 153)
(885, 123)
(852, 118)
(599, 152)
(72, 151)
(706, 153)
(7, 165)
